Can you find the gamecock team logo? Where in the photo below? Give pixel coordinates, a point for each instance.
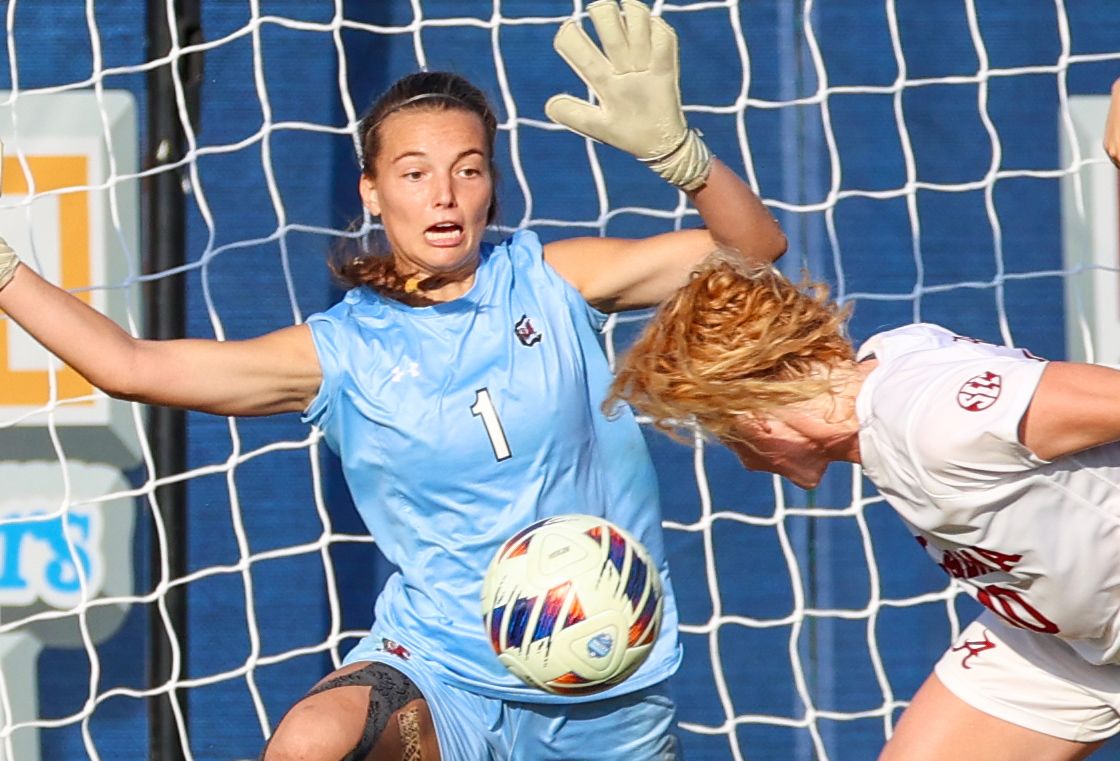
(980, 392)
(394, 648)
(527, 333)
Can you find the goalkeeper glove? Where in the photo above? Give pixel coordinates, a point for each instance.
(8, 259)
(8, 263)
(636, 79)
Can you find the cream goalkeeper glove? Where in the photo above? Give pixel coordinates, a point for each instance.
(8, 263)
(8, 259)
(636, 79)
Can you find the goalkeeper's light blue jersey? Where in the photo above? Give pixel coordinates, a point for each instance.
(459, 424)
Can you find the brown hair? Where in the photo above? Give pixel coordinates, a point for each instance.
(736, 340)
(424, 90)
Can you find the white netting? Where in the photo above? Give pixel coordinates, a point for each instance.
(915, 157)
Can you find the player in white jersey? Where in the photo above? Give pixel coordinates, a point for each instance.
(1005, 467)
(390, 374)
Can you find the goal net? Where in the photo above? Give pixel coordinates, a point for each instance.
(935, 162)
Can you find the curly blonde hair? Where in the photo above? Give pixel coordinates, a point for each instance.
(736, 340)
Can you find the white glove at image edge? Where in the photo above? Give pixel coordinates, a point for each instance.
(8, 263)
(8, 259)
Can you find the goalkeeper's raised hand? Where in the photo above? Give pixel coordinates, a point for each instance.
(635, 78)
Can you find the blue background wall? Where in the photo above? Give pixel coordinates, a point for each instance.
(260, 245)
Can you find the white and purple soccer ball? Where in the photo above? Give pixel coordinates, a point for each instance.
(572, 604)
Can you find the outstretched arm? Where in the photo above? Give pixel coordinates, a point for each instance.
(636, 81)
(1075, 407)
(278, 372)
(1112, 126)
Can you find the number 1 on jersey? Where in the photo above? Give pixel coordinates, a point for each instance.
(483, 407)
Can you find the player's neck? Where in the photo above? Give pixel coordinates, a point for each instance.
(839, 425)
(851, 378)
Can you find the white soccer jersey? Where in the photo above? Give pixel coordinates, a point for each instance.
(1036, 542)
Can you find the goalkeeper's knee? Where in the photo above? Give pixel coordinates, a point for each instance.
(391, 719)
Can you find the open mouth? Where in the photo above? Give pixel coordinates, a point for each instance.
(445, 233)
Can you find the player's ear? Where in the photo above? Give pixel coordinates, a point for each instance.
(367, 189)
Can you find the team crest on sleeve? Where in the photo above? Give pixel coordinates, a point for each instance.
(980, 391)
(526, 331)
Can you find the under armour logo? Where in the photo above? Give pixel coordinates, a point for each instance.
(408, 367)
(973, 648)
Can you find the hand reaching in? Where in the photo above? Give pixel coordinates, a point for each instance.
(8, 259)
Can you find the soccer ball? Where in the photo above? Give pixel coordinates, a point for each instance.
(572, 604)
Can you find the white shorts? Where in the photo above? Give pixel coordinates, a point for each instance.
(1032, 680)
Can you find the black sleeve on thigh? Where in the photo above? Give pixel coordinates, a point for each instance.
(390, 691)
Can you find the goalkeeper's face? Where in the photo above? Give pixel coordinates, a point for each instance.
(432, 187)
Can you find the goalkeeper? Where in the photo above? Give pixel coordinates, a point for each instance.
(459, 382)
(1005, 467)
